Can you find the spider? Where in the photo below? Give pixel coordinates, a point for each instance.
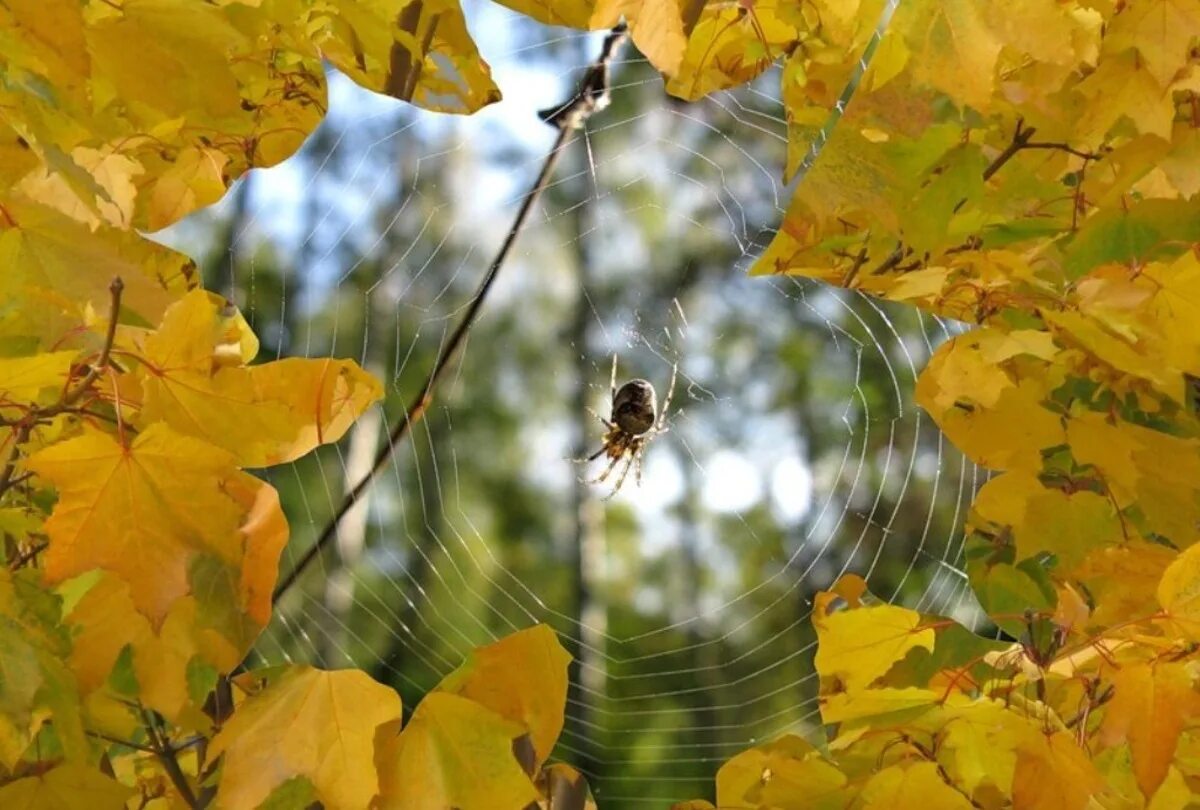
(635, 420)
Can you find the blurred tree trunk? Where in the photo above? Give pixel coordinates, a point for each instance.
(587, 551)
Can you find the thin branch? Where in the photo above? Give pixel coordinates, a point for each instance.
(1019, 141)
(95, 370)
(581, 105)
(24, 559)
(166, 755)
(894, 258)
(22, 431)
(118, 741)
(1062, 147)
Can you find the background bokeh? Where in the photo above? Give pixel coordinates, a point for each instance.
(795, 452)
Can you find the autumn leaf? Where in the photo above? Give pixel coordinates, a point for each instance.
(1053, 772)
(25, 379)
(60, 268)
(919, 784)
(193, 381)
(1179, 592)
(858, 646)
(659, 28)
(452, 753)
(66, 787)
(305, 722)
(34, 680)
(523, 678)
(778, 774)
(146, 511)
(415, 50)
(1150, 706)
(727, 44)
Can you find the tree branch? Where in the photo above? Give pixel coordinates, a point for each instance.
(1019, 141)
(23, 429)
(583, 98)
(166, 755)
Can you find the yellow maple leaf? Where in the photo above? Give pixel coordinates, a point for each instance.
(727, 44)
(860, 645)
(779, 774)
(144, 511)
(60, 269)
(452, 753)
(24, 379)
(521, 677)
(659, 28)
(1179, 592)
(1151, 704)
(1053, 773)
(305, 722)
(66, 787)
(193, 381)
(919, 784)
(415, 50)
(33, 675)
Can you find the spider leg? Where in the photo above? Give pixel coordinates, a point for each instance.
(638, 461)
(621, 477)
(604, 421)
(662, 414)
(607, 472)
(612, 383)
(592, 457)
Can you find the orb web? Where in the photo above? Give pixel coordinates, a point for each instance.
(795, 452)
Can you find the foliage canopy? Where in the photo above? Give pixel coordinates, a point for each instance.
(1031, 167)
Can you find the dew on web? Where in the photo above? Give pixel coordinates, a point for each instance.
(795, 452)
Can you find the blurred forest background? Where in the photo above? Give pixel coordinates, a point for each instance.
(795, 452)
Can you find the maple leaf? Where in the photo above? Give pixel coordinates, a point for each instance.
(860, 645)
(452, 753)
(146, 511)
(27, 378)
(523, 678)
(66, 787)
(33, 678)
(284, 409)
(59, 268)
(1179, 592)
(305, 722)
(919, 784)
(784, 768)
(1150, 706)
(1053, 772)
(727, 44)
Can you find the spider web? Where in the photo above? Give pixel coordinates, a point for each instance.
(795, 453)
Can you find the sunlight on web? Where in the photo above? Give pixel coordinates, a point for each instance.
(794, 454)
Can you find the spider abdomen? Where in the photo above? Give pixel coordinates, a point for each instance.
(634, 407)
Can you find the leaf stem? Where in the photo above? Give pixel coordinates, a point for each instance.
(424, 397)
(94, 371)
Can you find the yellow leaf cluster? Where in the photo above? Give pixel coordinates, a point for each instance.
(134, 114)
(342, 733)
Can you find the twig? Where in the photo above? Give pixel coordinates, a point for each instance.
(23, 560)
(892, 259)
(1019, 141)
(118, 741)
(859, 261)
(115, 289)
(424, 398)
(22, 431)
(166, 755)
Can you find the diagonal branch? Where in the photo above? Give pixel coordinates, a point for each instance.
(582, 104)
